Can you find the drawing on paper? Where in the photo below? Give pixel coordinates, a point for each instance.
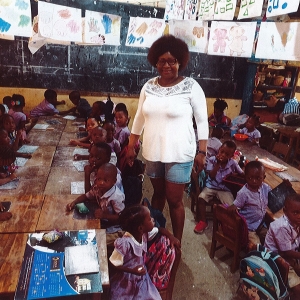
(225, 9)
(15, 18)
(174, 10)
(194, 33)
(281, 7)
(250, 9)
(231, 38)
(142, 32)
(102, 28)
(191, 9)
(206, 10)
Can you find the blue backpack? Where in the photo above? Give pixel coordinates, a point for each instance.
(260, 277)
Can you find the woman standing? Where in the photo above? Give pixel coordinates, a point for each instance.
(166, 106)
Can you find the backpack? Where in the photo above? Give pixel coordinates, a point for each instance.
(260, 277)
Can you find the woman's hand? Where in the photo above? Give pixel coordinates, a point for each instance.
(130, 156)
(175, 243)
(199, 163)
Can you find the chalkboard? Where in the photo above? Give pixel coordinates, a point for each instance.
(109, 69)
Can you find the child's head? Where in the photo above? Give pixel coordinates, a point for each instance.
(74, 97)
(219, 106)
(252, 122)
(91, 123)
(8, 123)
(7, 101)
(254, 174)
(7, 156)
(136, 219)
(50, 96)
(98, 109)
(292, 208)
(18, 101)
(4, 138)
(217, 132)
(110, 128)
(2, 110)
(226, 151)
(98, 135)
(99, 154)
(121, 115)
(106, 177)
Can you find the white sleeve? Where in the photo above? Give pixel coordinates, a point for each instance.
(116, 258)
(152, 233)
(139, 120)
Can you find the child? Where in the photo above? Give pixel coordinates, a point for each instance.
(82, 107)
(7, 167)
(218, 118)
(7, 103)
(110, 128)
(98, 112)
(217, 168)
(48, 106)
(85, 142)
(131, 280)
(2, 110)
(108, 196)
(214, 143)
(252, 201)
(122, 131)
(250, 130)
(283, 237)
(7, 123)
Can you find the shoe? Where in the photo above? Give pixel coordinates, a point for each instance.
(200, 227)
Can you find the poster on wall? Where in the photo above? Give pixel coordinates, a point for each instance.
(225, 9)
(250, 9)
(60, 23)
(281, 7)
(15, 19)
(206, 10)
(100, 28)
(278, 40)
(142, 32)
(191, 9)
(231, 38)
(194, 33)
(174, 10)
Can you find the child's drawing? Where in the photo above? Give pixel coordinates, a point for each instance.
(278, 40)
(281, 7)
(231, 38)
(191, 9)
(225, 9)
(15, 18)
(194, 33)
(100, 28)
(206, 10)
(142, 32)
(250, 9)
(60, 23)
(174, 10)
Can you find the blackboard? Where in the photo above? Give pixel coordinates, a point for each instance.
(109, 69)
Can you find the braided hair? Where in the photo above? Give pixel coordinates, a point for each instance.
(220, 104)
(256, 120)
(132, 217)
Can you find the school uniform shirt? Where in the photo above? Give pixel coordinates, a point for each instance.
(122, 134)
(255, 134)
(213, 146)
(282, 235)
(45, 108)
(252, 205)
(115, 146)
(112, 202)
(217, 183)
(18, 117)
(84, 108)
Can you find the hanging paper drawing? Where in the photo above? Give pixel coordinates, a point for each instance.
(224, 9)
(174, 10)
(250, 9)
(191, 9)
(206, 10)
(281, 7)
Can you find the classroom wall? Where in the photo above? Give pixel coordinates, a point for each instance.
(34, 96)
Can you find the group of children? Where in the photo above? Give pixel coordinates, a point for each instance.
(251, 201)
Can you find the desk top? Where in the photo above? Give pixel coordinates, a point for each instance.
(12, 248)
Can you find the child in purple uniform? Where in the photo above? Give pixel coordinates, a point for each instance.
(250, 129)
(217, 168)
(122, 131)
(283, 237)
(131, 280)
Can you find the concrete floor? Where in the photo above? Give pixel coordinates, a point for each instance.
(198, 276)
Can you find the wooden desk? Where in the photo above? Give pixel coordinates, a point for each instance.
(25, 211)
(64, 157)
(44, 137)
(12, 248)
(42, 157)
(73, 125)
(55, 216)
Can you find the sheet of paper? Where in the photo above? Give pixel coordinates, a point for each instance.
(28, 149)
(77, 188)
(250, 9)
(69, 117)
(285, 175)
(40, 126)
(10, 185)
(80, 164)
(281, 7)
(81, 151)
(21, 161)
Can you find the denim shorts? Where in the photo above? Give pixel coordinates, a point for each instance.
(173, 172)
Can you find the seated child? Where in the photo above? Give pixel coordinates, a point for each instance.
(82, 107)
(250, 129)
(252, 201)
(131, 280)
(122, 132)
(217, 168)
(114, 144)
(85, 142)
(98, 112)
(283, 237)
(214, 143)
(7, 103)
(108, 196)
(2, 110)
(218, 118)
(7, 167)
(48, 106)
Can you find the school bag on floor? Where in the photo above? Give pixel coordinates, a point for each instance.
(260, 277)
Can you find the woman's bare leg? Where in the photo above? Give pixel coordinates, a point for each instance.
(159, 194)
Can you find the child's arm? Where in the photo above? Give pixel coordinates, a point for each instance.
(174, 241)
(113, 219)
(213, 172)
(79, 199)
(24, 155)
(80, 142)
(88, 169)
(81, 157)
(290, 254)
(137, 270)
(7, 179)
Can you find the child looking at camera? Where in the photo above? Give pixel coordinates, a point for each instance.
(283, 237)
(132, 280)
(218, 117)
(217, 168)
(108, 196)
(122, 132)
(250, 130)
